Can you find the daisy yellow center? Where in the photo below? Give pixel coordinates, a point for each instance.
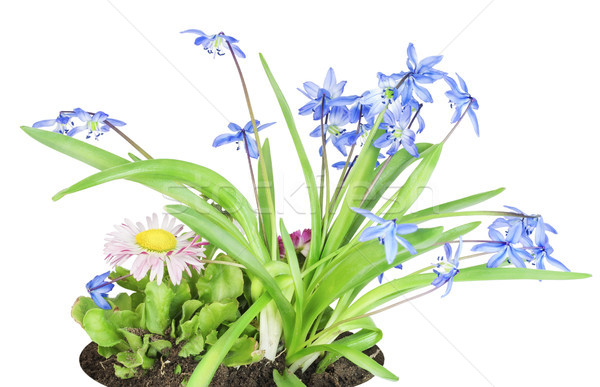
(157, 240)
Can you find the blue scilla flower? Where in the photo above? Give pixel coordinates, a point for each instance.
(98, 289)
(447, 268)
(528, 224)
(543, 250)
(214, 44)
(340, 138)
(240, 135)
(397, 120)
(95, 125)
(420, 72)
(62, 124)
(329, 95)
(379, 98)
(459, 99)
(504, 248)
(388, 232)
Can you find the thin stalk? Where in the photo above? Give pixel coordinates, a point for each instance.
(120, 133)
(460, 259)
(261, 162)
(324, 165)
(402, 80)
(260, 219)
(458, 122)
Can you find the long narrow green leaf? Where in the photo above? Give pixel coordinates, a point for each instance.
(292, 258)
(355, 356)
(102, 159)
(237, 251)
(200, 178)
(483, 273)
(452, 206)
(267, 202)
(309, 177)
(416, 182)
(202, 375)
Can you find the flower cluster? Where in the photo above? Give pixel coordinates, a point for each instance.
(398, 94)
(78, 120)
(515, 245)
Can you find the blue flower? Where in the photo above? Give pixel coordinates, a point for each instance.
(388, 234)
(213, 44)
(95, 125)
(419, 73)
(239, 134)
(397, 121)
(543, 249)
(338, 117)
(62, 124)
(528, 224)
(341, 164)
(446, 270)
(459, 99)
(98, 289)
(503, 247)
(385, 94)
(331, 90)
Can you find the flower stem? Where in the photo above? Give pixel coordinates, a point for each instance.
(324, 166)
(260, 219)
(261, 162)
(458, 122)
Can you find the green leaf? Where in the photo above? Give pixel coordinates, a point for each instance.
(107, 352)
(360, 341)
(178, 172)
(455, 205)
(193, 347)
(188, 309)
(100, 329)
(244, 351)
(122, 301)
(188, 329)
(213, 315)
(134, 341)
(482, 273)
(266, 196)
(124, 372)
(129, 359)
(416, 182)
(123, 318)
(159, 347)
(355, 356)
(309, 177)
(157, 307)
(220, 282)
(286, 379)
(181, 295)
(81, 307)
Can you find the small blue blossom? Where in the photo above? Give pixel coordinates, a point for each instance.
(98, 289)
(504, 247)
(213, 44)
(448, 268)
(397, 121)
(338, 117)
(543, 250)
(62, 124)
(387, 232)
(95, 125)
(241, 134)
(331, 92)
(528, 224)
(459, 99)
(419, 73)
(378, 99)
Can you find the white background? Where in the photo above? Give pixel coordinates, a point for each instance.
(532, 66)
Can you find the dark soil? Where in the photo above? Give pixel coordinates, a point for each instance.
(342, 373)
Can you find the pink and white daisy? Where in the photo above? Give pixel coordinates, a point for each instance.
(154, 246)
